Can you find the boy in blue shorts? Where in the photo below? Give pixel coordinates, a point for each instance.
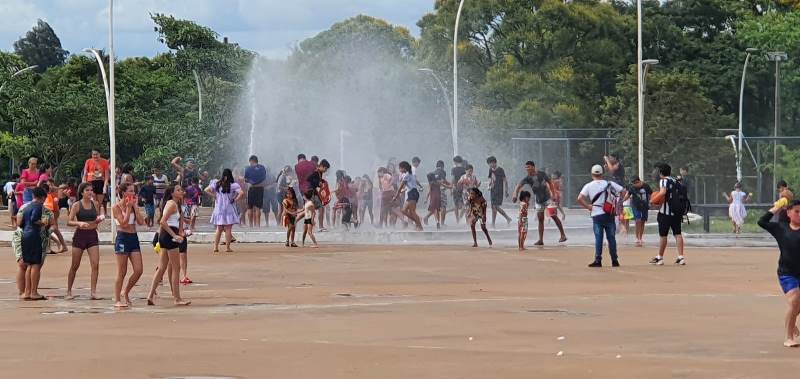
(147, 197)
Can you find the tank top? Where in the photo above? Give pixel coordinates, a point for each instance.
(86, 215)
(174, 220)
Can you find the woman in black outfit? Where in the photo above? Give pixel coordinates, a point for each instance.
(786, 230)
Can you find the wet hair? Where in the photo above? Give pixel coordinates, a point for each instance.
(41, 191)
(253, 158)
(530, 163)
(122, 187)
(290, 191)
(524, 196)
(664, 169)
(416, 160)
(324, 163)
(458, 159)
(348, 179)
(556, 174)
(738, 185)
(224, 182)
(431, 177)
(309, 194)
(476, 191)
(782, 183)
(314, 158)
(168, 195)
(45, 187)
(301, 156)
(491, 160)
(469, 167)
(381, 170)
(405, 165)
(439, 164)
(339, 175)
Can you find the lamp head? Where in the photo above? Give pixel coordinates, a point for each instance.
(650, 62)
(751, 50)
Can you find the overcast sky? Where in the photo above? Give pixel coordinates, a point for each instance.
(269, 27)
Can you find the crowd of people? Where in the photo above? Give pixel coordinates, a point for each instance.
(169, 207)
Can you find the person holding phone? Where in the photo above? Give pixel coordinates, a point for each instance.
(127, 215)
(170, 237)
(83, 216)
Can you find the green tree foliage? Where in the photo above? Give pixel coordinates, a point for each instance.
(41, 47)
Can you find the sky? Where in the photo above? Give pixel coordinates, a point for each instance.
(269, 27)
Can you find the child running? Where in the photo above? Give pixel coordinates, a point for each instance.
(127, 215)
(409, 182)
(477, 211)
(524, 200)
(786, 231)
(308, 215)
(289, 206)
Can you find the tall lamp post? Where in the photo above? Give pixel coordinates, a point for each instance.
(777, 57)
(749, 52)
(643, 68)
(108, 85)
(199, 96)
(13, 127)
(455, 79)
(449, 106)
(639, 85)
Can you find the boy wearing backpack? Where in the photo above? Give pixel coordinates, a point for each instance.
(599, 197)
(671, 197)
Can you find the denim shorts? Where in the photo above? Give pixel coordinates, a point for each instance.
(126, 243)
(788, 282)
(150, 210)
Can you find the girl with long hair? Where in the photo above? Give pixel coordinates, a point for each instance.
(84, 217)
(127, 215)
(170, 237)
(226, 192)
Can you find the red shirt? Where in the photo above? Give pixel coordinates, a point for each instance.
(96, 170)
(303, 170)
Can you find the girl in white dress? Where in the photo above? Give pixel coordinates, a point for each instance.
(736, 209)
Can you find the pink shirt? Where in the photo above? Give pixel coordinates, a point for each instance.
(28, 176)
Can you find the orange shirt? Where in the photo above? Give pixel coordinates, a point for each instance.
(96, 170)
(50, 202)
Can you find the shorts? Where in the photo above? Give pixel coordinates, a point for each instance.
(317, 201)
(497, 196)
(127, 243)
(190, 211)
(97, 187)
(458, 199)
(183, 248)
(640, 215)
(165, 240)
(412, 195)
(443, 201)
(387, 201)
(627, 214)
(83, 239)
(150, 210)
(665, 223)
(523, 225)
(255, 197)
(788, 282)
(309, 221)
(14, 207)
(63, 203)
(540, 207)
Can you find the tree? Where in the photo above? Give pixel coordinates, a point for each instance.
(41, 47)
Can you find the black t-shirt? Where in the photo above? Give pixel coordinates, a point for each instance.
(788, 242)
(187, 177)
(457, 173)
(538, 185)
(640, 197)
(441, 174)
(314, 180)
(147, 192)
(499, 177)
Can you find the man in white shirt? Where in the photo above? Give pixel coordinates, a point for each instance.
(593, 197)
(8, 192)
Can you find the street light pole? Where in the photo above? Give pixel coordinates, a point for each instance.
(455, 79)
(199, 96)
(643, 68)
(749, 52)
(13, 126)
(640, 86)
(111, 117)
(449, 106)
(777, 57)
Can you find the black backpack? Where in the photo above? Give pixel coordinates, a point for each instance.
(679, 202)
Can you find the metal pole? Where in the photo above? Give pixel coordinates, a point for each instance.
(199, 96)
(111, 117)
(449, 106)
(640, 87)
(741, 108)
(777, 125)
(14, 126)
(455, 79)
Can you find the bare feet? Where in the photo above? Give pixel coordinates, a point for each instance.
(95, 297)
(216, 250)
(120, 304)
(563, 239)
(150, 301)
(69, 296)
(475, 244)
(126, 297)
(791, 343)
(36, 297)
(182, 302)
(228, 251)
(522, 249)
(539, 243)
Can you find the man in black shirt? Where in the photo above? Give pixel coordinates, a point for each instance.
(315, 183)
(786, 231)
(541, 188)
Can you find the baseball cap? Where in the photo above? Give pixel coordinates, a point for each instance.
(597, 170)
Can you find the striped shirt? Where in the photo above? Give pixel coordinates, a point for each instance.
(667, 183)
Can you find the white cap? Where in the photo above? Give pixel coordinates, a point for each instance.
(597, 170)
